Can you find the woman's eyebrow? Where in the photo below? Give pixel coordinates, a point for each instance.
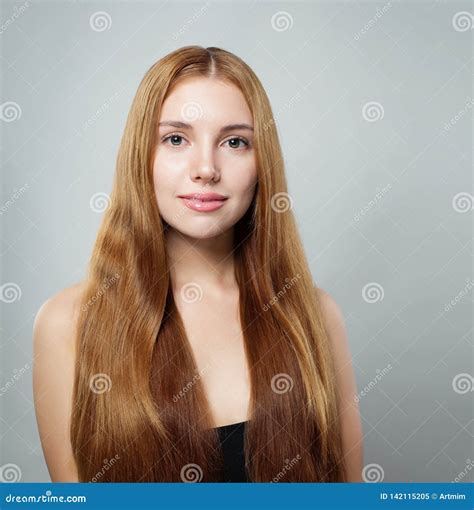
(224, 129)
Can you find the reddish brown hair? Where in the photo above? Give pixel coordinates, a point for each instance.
(132, 337)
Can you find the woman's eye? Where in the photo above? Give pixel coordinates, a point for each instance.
(235, 143)
(174, 139)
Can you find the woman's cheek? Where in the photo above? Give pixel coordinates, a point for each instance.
(165, 190)
(247, 182)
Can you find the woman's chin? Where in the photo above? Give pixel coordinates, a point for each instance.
(200, 232)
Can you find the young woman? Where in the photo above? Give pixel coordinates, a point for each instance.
(198, 347)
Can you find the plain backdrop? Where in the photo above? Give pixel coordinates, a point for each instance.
(373, 104)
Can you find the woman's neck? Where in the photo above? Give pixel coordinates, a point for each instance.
(208, 262)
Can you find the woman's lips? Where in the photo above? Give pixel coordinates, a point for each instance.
(203, 205)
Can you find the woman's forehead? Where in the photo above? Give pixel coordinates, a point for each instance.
(207, 100)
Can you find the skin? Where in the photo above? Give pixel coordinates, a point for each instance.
(201, 158)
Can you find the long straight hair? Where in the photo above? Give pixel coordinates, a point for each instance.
(140, 413)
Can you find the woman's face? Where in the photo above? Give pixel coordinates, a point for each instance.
(204, 145)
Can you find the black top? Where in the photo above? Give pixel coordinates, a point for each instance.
(232, 441)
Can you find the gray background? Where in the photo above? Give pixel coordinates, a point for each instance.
(376, 198)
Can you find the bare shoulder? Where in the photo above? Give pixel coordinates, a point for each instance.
(335, 327)
(351, 426)
(56, 319)
(54, 333)
(332, 313)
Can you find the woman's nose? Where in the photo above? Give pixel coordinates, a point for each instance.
(205, 168)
